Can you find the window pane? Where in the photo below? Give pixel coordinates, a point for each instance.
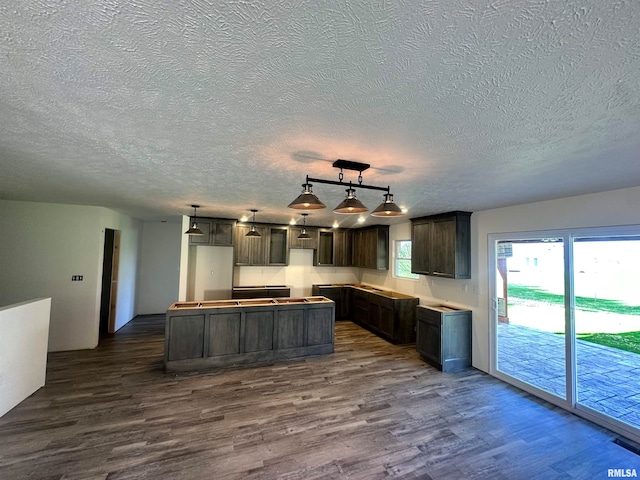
(403, 269)
(404, 249)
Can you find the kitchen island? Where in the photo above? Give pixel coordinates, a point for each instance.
(222, 333)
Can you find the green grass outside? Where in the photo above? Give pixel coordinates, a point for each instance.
(628, 341)
(583, 303)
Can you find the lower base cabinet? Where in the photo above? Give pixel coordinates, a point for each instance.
(198, 338)
(443, 337)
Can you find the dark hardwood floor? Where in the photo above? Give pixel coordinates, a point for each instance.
(371, 410)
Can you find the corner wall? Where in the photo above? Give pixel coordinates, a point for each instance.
(43, 245)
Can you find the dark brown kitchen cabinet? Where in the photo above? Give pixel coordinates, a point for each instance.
(441, 245)
(278, 246)
(336, 293)
(342, 248)
(295, 242)
(270, 248)
(324, 255)
(444, 337)
(370, 247)
(216, 232)
(251, 250)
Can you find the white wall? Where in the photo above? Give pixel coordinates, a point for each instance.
(43, 245)
(159, 266)
(299, 275)
(210, 272)
(24, 333)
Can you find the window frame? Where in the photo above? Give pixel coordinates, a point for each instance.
(396, 257)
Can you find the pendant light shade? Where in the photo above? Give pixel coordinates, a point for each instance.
(307, 200)
(387, 208)
(194, 230)
(304, 235)
(350, 204)
(253, 232)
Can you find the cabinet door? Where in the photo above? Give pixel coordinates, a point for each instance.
(374, 315)
(310, 243)
(290, 328)
(387, 316)
(420, 241)
(223, 235)
(278, 245)
(206, 227)
(370, 248)
(224, 334)
(319, 326)
(324, 255)
(342, 248)
(186, 337)
(442, 248)
(242, 246)
(428, 341)
(258, 331)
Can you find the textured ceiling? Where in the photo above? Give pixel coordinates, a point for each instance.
(147, 107)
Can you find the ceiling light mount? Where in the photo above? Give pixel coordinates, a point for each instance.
(194, 230)
(350, 205)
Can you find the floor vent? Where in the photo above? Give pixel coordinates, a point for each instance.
(627, 445)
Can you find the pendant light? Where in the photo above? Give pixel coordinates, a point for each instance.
(307, 200)
(387, 208)
(350, 204)
(304, 235)
(194, 230)
(253, 232)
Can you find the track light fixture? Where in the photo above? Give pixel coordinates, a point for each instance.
(350, 205)
(253, 232)
(194, 230)
(304, 235)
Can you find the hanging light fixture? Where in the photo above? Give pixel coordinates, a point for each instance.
(304, 235)
(253, 232)
(350, 205)
(194, 230)
(387, 208)
(307, 200)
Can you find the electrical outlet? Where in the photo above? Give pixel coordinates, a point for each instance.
(77, 278)
(464, 287)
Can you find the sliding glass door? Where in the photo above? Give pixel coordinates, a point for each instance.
(607, 325)
(566, 320)
(531, 312)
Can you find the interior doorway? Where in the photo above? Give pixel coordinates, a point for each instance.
(109, 296)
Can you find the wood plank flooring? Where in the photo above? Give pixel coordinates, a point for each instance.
(371, 410)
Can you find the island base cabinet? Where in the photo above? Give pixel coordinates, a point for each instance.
(443, 337)
(223, 337)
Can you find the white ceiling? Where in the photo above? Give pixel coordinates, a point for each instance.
(147, 107)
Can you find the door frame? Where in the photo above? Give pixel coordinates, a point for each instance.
(570, 403)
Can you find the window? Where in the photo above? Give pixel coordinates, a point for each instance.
(402, 264)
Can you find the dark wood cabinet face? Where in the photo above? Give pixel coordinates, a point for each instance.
(251, 250)
(420, 242)
(224, 334)
(319, 326)
(325, 251)
(441, 245)
(428, 341)
(295, 242)
(217, 232)
(370, 247)
(223, 234)
(258, 331)
(342, 248)
(444, 337)
(290, 328)
(206, 227)
(278, 246)
(186, 338)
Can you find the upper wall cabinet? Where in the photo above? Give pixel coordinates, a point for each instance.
(370, 247)
(217, 232)
(310, 243)
(441, 245)
(270, 248)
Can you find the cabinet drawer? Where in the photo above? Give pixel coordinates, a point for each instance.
(428, 315)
